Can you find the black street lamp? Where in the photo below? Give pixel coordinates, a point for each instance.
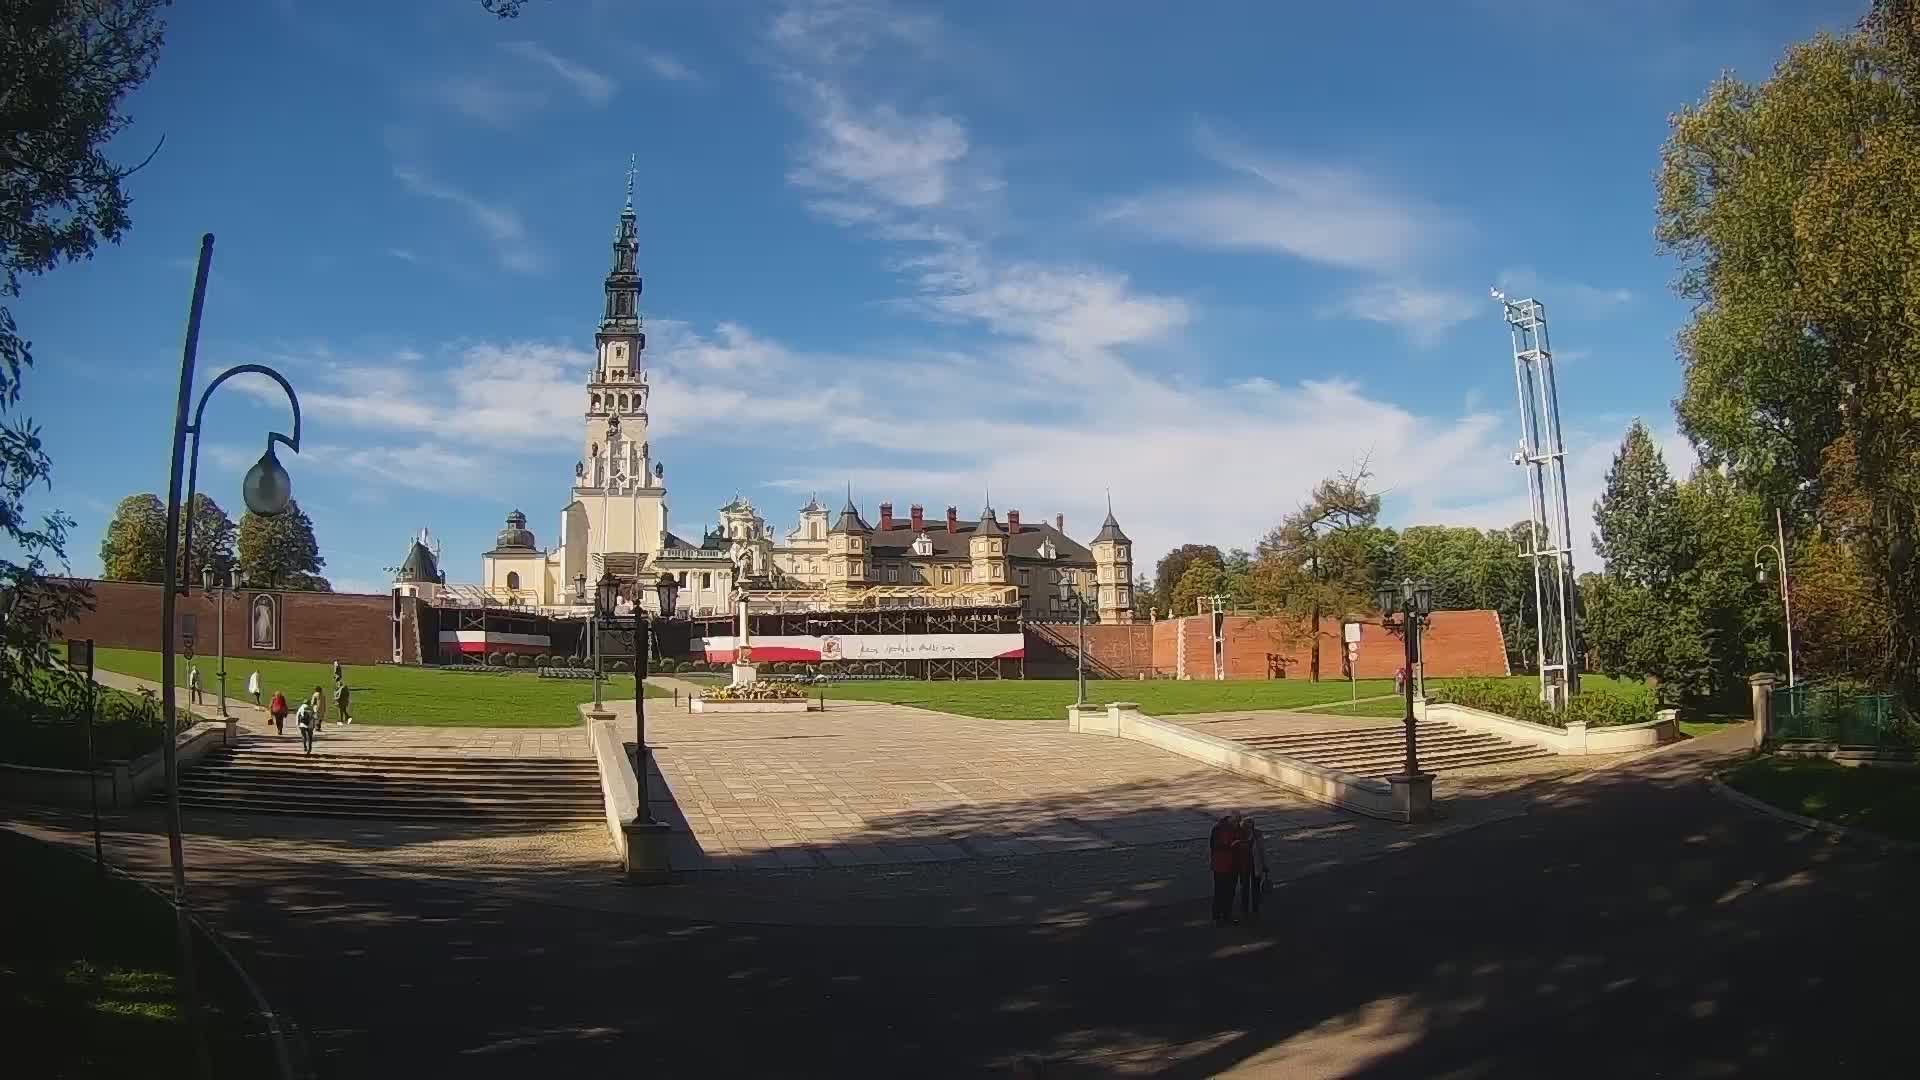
(1413, 601)
(1081, 598)
(267, 491)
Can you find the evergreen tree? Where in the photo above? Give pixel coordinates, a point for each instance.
(1640, 532)
(280, 551)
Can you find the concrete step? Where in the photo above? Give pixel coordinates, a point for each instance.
(1345, 735)
(1384, 765)
(1436, 740)
(292, 749)
(318, 770)
(530, 816)
(218, 789)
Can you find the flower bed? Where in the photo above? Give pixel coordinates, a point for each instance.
(758, 690)
(1521, 701)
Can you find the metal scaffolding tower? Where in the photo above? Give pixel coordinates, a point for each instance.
(1544, 455)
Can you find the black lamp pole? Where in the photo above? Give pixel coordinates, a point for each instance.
(1412, 600)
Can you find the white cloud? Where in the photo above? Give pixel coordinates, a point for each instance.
(485, 100)
(501, 224)
(1425, 314)
(878, 152)
(832, 33)
(1559, 294)
(593, 87)
(1321, 213)
(665, 66)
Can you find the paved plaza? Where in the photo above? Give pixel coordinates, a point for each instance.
(867, 783)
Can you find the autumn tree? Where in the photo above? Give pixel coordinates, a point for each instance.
(134, 547)
(1794, 206)
(1321, 559)
(280, 551)
(1173, 566)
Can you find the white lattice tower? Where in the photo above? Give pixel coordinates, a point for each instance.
(1543, 453)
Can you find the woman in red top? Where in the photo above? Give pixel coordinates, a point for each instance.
(278, 710)
(1221, 857)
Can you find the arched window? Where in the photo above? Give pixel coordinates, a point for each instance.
(513, 580)
(596, 403)
(623, 403)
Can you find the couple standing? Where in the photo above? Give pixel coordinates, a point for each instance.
(1237, 851)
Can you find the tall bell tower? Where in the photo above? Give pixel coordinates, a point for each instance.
(618, 457)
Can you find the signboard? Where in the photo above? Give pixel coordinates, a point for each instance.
(1352, 633)
(80, 654)
(806, 648)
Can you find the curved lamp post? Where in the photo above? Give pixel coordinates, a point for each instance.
(1779, 549)
(1413, 601)
(267, 491)
(1082, 597)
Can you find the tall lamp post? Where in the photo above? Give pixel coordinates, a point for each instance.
(267, 491)
(1412, 601)
(1779, 549)
(606, 595)
(1082, 598)
(221, 592)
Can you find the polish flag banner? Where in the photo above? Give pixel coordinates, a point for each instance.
(808, 649)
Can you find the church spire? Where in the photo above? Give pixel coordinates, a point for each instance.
(622, 315)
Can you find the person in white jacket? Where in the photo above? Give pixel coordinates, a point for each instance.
(253, 686)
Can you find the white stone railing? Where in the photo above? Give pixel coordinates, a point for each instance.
(1575, 739)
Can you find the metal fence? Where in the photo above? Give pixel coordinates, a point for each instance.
(1840, 714)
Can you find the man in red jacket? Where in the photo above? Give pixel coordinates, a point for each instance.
(1225, 871)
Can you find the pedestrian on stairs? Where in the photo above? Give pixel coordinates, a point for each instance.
(306, 721)
(253, 686)
(278, 710)
(341, 697)
(318, 704)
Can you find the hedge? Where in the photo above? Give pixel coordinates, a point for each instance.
(1521, 701)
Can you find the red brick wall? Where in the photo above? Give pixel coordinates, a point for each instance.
(351, 628)
(1457, 643)
(1114, 650)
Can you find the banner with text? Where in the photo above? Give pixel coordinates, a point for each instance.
(808, 649)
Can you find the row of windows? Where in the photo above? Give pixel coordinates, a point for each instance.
(617, 402)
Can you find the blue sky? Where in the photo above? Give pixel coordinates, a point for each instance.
(1199, 255)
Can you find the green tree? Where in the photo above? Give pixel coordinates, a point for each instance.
(1322, 559)
(1173, 566)
(1638, 516)
(1202, 579)
(66, 67)
(36, 602)
(134, 547)
(280, 551)
(1794, 205)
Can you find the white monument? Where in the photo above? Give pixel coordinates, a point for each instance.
(744, 673)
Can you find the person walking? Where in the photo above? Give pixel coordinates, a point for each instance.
(1220, 858)
(1400, 681)
(278, 710)
(193, 683)
(341, 697)
(253, 686)
(306, 721)
(1254, 881)
(336, 673)
(318, 704)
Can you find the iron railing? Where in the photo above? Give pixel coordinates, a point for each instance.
(1838, 713)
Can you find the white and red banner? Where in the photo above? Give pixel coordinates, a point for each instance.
(808, 649)
(475, 641)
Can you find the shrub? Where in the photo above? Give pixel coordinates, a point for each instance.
(1521, 701)
(493, 659)
(542, 660)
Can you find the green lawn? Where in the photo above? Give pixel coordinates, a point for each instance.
(403, 696)
(1885, 801)
(87, 978)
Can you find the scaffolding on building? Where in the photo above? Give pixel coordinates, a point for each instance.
(1549, 543)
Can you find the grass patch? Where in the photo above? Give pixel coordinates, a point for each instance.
(1391, 708)
(1885, 801)
(388, 694)
(87, 978)
(1711, 725)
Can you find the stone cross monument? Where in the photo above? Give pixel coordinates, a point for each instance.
(743, 670)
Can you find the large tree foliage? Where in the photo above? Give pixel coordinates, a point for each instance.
(1794, 205)
(35, 602)
(1323, 558)
(134, 546)
(1173, 566)
(66, 67)
(1638, 515)
(280, 551)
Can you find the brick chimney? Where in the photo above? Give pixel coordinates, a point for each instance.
(953, 519)
(1013, 521)
(919, 517)
(886, 516)
(1060, 524)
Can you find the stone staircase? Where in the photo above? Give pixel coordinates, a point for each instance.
(1380, 751)
(275, 777)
